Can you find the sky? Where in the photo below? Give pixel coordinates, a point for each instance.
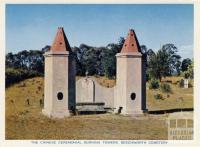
(31, 27)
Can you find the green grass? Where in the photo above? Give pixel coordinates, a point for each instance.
(27, 122)
(17, 95)
(178, 98)
(104, 126)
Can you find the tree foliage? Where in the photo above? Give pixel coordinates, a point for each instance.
(185, 64)
(23, 65)
(164, 63)
(189, 73)
(27, 60)
(15, 75)
(99, 61)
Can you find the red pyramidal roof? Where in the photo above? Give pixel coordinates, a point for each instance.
(60, 42)
(131, 43)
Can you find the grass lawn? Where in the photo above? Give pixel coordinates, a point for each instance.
(25, 121)
(103, 126)
(178, 98)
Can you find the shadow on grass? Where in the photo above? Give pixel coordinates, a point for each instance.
(170, 110)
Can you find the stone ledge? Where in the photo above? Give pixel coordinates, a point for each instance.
(50, 53)
(128, 55)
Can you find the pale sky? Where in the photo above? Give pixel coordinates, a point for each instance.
(34, 26)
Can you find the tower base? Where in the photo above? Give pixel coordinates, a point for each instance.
(56, 114)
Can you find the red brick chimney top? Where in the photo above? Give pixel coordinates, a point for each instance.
(60, 42)
(131, 43)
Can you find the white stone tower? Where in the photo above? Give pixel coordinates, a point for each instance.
(59, 94)
(129, 88)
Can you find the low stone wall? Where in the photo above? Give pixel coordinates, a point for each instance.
(89, 90)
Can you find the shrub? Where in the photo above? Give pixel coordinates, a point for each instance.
(148, 78)
(165, 88)
(181, 83)
(187, 75)
(158, 96)
(13, 75)
(153, 84)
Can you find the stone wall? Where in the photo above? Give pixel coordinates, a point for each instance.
(89, 90)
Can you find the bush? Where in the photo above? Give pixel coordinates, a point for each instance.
(181, 83)
(16, 75)
(165, 88)
(153, 84)
(148, 78)
(186, 75)
(158, 96)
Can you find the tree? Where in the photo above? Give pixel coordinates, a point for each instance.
(120, 44)
(23, 65)
(78, 54)
(165, 62)
(109, 63)
(9, 60)
(143, 49)
(153, 68)
(185, 64)
(90, 60)
(178, 65)
(191, 69)
(46, 48)
(97, 60)
(150, 53)
(109, 58)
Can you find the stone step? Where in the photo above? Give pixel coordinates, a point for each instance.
(90, 103)
(88, 106)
